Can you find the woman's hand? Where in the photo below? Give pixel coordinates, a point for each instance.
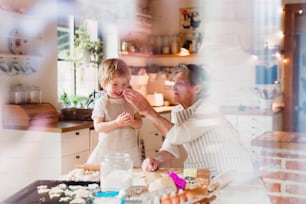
(150, 164)
(137, 100)
(161, 158)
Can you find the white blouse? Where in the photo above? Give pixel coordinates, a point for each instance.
(208, 138)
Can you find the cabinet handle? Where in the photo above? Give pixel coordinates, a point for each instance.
(156, 134)
(77, 157)
(77, 133)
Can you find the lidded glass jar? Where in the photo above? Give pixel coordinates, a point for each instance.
(33, 95)
(17, 94)
(116, 172)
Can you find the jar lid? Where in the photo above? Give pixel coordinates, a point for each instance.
(107, 193)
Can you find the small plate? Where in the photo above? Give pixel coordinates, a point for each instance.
(18, 44)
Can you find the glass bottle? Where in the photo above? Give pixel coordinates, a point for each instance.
(166, 48)
(174, 44)
(116, 172)
(158, 45)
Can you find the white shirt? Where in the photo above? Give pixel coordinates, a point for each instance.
(208, 138)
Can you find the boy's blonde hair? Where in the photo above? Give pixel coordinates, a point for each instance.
(111, 68)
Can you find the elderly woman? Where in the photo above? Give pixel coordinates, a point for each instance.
(209, 140)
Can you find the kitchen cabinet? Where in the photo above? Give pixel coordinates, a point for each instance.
(150, 137)
(28, 155)
(251, 125)
(93, 140)
(74, 148)
(151, 141)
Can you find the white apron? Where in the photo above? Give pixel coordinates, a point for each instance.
(122, 140)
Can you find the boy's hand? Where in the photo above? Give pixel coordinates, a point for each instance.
(125, 119)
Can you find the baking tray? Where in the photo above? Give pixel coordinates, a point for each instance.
(29, 194)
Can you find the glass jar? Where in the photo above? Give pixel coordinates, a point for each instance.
(17, 94)
(174, 44)
(33, 95)
(165, 44)
(158, 44)
(116, 172)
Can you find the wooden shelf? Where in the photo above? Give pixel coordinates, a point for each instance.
(136, 54)
(15, 56)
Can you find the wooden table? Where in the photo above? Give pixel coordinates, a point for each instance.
(281, 140)
(29, 194)
(201, 173)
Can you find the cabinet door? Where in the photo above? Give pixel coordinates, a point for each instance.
(70, 162)
(75, 141)
(247, 128)
(27, 156)
(264, 124)
(152, 139)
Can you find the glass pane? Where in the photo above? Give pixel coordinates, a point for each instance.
(62, 43)
(65, 77)
(86, 80)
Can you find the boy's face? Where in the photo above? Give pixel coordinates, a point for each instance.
(115, 87)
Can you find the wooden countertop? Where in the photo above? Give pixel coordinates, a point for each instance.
(281, 140)
(163, 109)
(61, 126)
(65, 126)
(234, 110)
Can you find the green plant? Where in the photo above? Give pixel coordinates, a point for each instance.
(86, 50)
(64, 98)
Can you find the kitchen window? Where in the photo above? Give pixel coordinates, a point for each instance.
(76, 77)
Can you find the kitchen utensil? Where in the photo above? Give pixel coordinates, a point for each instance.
(268, 91)
(89, 167)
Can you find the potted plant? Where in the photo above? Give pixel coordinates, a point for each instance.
(86, 50)
(76, 107)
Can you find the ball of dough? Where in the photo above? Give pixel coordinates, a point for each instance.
(161, 183)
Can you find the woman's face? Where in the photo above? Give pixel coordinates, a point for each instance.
(184, 93)
(115, 87)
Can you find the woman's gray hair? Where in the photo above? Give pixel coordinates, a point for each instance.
(196, 75)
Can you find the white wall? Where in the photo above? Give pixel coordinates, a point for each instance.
(44, 13)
